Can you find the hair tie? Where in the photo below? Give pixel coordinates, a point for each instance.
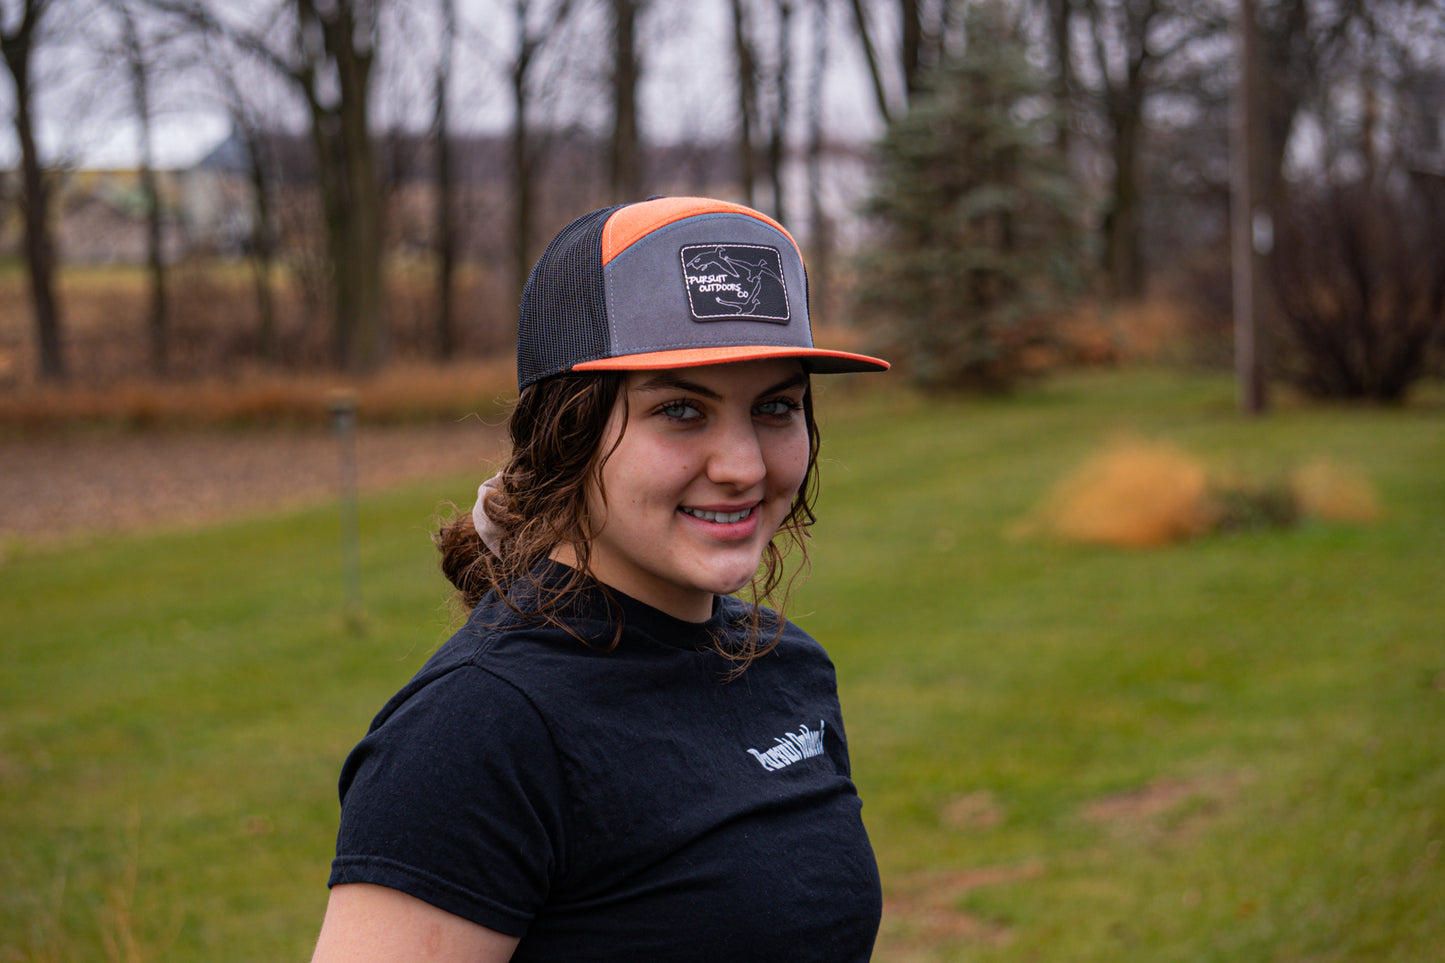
(489, 530)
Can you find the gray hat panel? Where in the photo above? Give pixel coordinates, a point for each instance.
(709, 280)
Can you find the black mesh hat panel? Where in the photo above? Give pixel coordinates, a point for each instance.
(563, 316)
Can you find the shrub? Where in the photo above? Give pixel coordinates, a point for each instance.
(1360, 283)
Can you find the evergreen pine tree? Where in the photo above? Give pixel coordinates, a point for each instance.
(978, 227)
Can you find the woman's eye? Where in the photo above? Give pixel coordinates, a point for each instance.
(679, 410)
(778, 408)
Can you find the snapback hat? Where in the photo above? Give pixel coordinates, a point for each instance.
(673, 282)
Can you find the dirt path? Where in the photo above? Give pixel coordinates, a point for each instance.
(55, 487)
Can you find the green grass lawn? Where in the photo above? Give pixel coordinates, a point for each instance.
(1230, 749)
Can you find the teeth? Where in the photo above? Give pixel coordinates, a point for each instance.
(723, 518)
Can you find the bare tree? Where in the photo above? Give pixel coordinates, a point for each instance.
(249, 127)
(923, 38)
(18, 42)
(1127, 51)
(1122, 57)
(262, 242)
(337, 44)
(137, 56)
(325, 49)
(1357, 277)
(1360, 305)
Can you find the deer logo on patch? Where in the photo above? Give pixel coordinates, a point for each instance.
(735, 282)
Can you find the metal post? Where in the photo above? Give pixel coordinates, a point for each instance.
(343, 418)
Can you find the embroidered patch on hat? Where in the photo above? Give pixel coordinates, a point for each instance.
(735, 281)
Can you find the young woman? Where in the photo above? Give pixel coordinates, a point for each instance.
(616, 758)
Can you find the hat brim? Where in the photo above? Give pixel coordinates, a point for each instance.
(818, 360)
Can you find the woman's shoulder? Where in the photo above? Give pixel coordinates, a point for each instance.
(466, 670)
(499, 655)
(497, 644)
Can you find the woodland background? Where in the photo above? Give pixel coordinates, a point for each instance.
(307, 186)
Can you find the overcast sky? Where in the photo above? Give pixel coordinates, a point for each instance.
(687, 87)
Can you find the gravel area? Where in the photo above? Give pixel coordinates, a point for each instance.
(51, 488)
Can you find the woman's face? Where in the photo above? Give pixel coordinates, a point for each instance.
(708, 463)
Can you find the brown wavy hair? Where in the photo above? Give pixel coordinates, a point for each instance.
(557, 428)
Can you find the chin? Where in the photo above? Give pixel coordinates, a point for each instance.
(732, 584)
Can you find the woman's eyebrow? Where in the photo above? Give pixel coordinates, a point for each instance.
(799, 380)
(672, 382)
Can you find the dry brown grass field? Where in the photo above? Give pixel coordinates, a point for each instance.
(214, 321)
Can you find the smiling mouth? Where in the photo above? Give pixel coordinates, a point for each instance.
(721, 518)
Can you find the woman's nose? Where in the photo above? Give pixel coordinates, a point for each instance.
(737, 455)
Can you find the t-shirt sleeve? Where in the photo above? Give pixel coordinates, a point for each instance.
(456, 797)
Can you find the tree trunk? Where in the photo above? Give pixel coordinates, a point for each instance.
(263, 247)
(747, 101)
(39, 250)
(911, 48)
(870, 53)
(364, 226)
(346, 170)
(820, 224)
(778, 141)
(157, 318)
(521, 156)
(1121, 239)
(446, 232)
(626, 163)
(1282, 89)
(1124, 109)
(1060, 17)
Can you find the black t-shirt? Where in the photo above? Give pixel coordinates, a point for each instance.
(628, 804)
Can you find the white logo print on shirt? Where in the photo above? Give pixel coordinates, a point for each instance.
(791, 747)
